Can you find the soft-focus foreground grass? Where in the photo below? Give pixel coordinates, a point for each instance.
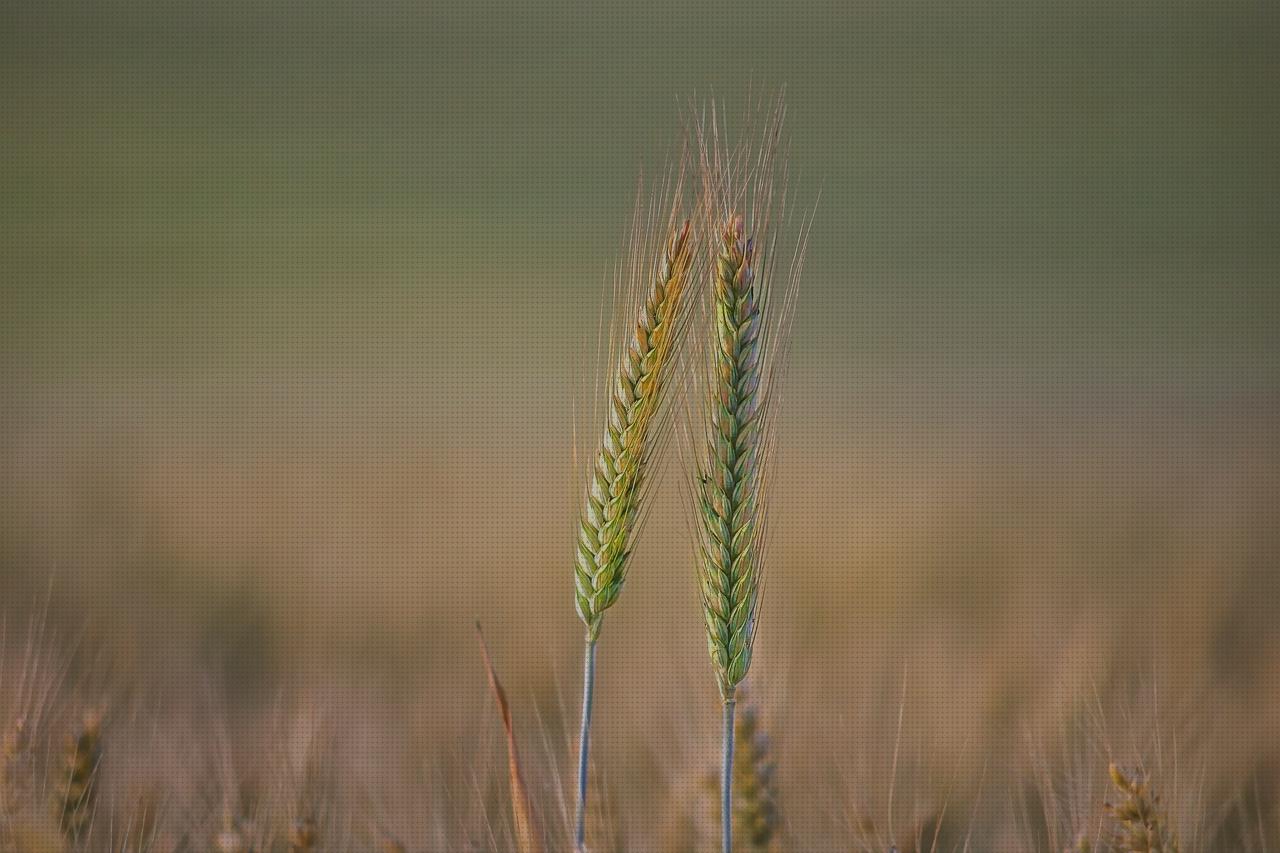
(1037, 591)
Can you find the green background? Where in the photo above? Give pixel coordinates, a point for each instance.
(1088, 190)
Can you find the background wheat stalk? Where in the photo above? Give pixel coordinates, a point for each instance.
(634, 426)
(742, 201)
(694, 820)
(1143, 827)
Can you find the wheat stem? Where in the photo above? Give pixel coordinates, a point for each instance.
(726, 779)
(584, 742)
(749, 320)
(619, 476)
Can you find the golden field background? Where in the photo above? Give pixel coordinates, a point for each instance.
(298, 316)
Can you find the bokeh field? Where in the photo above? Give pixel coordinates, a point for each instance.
(299, 320)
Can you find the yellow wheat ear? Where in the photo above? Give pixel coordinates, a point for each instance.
(618, 475)
(655, 277)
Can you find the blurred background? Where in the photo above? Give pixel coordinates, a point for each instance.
(298, 301)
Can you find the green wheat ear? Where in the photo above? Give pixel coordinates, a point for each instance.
(750, 301)
(729, 477)
(617, 478)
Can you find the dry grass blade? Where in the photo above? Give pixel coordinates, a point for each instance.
(528, 829)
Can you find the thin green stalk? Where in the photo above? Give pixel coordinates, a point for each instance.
(726, 779)
(584, 742)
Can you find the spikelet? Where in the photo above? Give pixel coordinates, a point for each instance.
(74, 795)
(1143, 827)
(618, 477)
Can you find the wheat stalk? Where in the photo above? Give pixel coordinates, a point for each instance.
(740, 208)
(634, 425)
(695, 816)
